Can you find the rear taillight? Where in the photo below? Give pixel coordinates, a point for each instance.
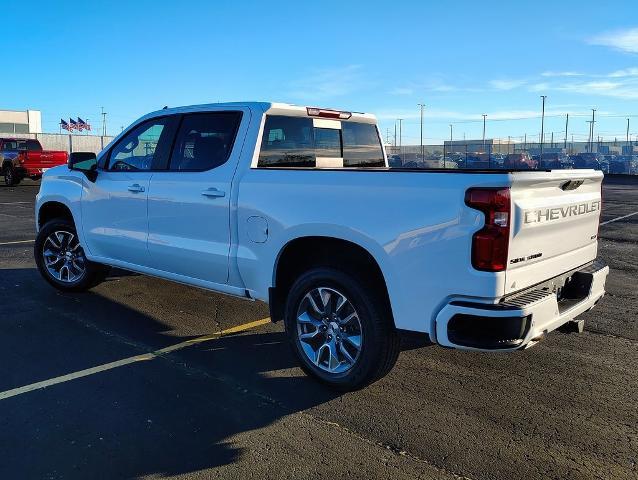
(490, 244)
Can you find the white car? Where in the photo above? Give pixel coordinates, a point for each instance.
(295, 206)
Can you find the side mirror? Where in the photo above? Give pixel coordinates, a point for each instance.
(85, 162)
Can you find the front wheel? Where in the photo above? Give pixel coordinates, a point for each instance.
(339, 328)
(10, 177)
(60, 258)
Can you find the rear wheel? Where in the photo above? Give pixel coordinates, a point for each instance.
(339, 328)
(10, 178)
(60, 258)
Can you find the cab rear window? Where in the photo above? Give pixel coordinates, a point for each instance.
(296, 142)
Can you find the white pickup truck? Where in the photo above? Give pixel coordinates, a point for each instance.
(296, 206)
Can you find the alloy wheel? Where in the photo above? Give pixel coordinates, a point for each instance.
(329, 330)
(63, 257)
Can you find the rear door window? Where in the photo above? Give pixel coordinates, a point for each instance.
(204, 141)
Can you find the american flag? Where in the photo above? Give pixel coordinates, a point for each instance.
(73, 125)
(65, 125)
(82, 125)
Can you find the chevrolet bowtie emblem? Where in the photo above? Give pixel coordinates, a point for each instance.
(572, 184)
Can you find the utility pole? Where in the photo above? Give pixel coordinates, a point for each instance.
(451, 140)
(422, 107)
(552, 140)
(525, 144)
(542, 127)
(484, 117)
(566, 126)
(589, 137)
(400, 134)
(628, 144)
(395, 134)
(593, 120)
(103, 122)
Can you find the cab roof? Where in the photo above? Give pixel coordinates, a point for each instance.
(273, 108)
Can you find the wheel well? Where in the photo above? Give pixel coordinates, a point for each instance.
(51, 210)
(304, 253)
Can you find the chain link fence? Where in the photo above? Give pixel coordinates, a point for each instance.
(609, 157)
(66, 142)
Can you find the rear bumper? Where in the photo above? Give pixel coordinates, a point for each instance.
(22, 172)
(521, 320)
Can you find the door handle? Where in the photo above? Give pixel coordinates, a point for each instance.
(213, 192)
(136, 187)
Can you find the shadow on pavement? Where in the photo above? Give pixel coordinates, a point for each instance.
(171, 415)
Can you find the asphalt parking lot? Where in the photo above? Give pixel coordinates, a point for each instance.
(236, 405)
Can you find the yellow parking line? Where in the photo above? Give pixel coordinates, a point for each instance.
(127, 361)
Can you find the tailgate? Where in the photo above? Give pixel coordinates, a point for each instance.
(555, 224)
(53, 158)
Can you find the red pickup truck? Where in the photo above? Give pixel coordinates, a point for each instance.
(24, 158)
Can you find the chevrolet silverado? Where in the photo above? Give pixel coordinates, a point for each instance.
(297, 207)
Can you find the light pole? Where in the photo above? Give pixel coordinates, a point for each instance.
(422, 107)
(566, 126)
(484, 117)
(395, 135)
(593, 120)
(451, 135)
(629, 152)
(400, 135)
(542, 127)
(103, 122)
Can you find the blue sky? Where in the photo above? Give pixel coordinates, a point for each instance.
(461, 59)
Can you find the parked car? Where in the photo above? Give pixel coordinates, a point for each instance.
(520, 161)
(395, 161)
(296, 207)
(497, 160)
(24, 158)
(552, 160)
(477, 160)
(622, 164)
(586, 160)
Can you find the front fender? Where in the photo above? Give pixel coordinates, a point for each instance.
(63, 186)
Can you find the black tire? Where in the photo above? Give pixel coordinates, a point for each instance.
(380, 346)
(10, 177)
(94, 273)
